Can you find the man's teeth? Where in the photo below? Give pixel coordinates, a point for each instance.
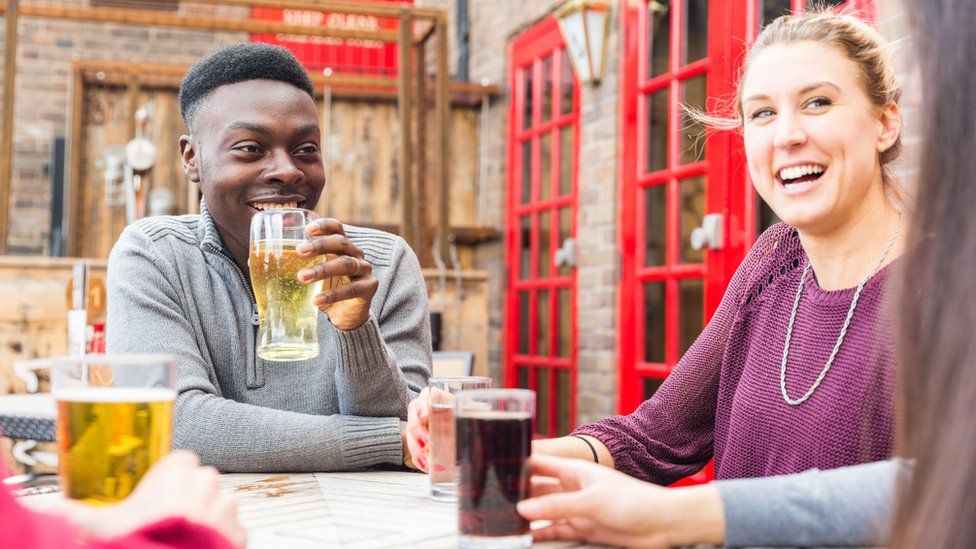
(274, 205)
(795, 172)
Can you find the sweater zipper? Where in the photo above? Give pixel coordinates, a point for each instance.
(240, 275)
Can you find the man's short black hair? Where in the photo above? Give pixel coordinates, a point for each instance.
(239, 63)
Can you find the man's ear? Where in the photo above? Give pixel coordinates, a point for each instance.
(190, 157)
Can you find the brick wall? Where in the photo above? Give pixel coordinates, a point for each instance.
(46, 48)
(493, 25)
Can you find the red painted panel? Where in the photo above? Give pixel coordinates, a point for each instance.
(347, 56)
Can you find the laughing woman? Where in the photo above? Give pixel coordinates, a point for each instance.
(796, 368)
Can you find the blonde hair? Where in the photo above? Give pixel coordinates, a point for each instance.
(858, 40)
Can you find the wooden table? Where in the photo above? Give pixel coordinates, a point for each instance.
(314, 510)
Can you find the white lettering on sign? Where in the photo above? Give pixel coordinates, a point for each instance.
(345, 21)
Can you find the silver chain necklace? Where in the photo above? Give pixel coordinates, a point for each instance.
(843, 330)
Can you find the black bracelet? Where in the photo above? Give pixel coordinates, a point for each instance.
(596, 459)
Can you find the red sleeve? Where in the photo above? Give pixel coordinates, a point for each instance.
(171, 533)
(22, 527)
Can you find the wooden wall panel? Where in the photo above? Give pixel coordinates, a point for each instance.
(362, 156)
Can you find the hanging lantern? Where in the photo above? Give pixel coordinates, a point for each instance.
(585, 25)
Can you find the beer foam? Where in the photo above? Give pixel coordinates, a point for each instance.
(114, 394)
(493, 414)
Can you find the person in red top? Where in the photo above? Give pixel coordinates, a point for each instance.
(177, 504)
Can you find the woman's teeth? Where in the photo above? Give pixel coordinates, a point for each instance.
(789, 175)
(274, 205)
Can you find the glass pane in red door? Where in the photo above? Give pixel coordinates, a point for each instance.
(659, 34)
(566, 148)
(563, 399)
(525, 247)
(771, 9)
(564, 330)
(545, 251)
(694, 94)
(527, 98)
(543, 316)
(547, 89)
(543, 392)
(524, 307)
(654, 322)
(692, 211)
(566, 80)
(565, 233)
(545, 160)
(691, 294)
(655, 224)
(657, 130)
(526, 172)
(696, 30)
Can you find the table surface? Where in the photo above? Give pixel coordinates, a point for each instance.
(359, 509)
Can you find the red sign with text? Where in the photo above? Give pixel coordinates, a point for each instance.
(341, 55)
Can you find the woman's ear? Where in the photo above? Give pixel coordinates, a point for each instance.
(190, 157)
(890, 126)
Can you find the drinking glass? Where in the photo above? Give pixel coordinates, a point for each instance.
(114, 421)
(442, 462)
(494, 441)
(288, 317)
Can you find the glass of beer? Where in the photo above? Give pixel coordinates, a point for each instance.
(288, 317)
(494, 441)
(443, 456)
(114, 421)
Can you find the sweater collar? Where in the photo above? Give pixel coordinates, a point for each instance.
(208, 234)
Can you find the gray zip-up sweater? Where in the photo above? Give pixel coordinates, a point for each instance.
(172, 289)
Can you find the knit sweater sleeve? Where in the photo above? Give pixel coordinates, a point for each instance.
(849, 506)
(385, 363)
(670, 435)
(145, 314)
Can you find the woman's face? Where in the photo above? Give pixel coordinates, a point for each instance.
(812, 136)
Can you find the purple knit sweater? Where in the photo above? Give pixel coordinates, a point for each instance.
(723, 398)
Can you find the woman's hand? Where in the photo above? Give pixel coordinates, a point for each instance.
(418, 435)
(176, 486)
(350, 284)
(597, 504)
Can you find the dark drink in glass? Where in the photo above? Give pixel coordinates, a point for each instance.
(494, 437)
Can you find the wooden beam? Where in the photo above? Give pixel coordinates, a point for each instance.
(162, 19)
(75, 147)
(423, 236)
(466, 235)
(406, 145)
(7, 137)
(353, 8)
(443, 152)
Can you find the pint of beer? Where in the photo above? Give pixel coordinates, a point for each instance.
(288, 317)
(114, 421)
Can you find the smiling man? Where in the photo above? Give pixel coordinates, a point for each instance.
(179, 285)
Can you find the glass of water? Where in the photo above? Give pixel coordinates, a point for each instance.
(442, 462)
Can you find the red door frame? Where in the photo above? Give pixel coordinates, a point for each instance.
(717, 267)
(732, 25)
(542, 40)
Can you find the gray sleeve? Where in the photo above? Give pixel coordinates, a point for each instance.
(145, 315)
(385, 363)
(838, 507)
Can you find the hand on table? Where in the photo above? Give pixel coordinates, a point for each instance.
(347, 304)
(589, 502)
(418, 435)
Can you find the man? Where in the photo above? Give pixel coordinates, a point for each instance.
(179, 285)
